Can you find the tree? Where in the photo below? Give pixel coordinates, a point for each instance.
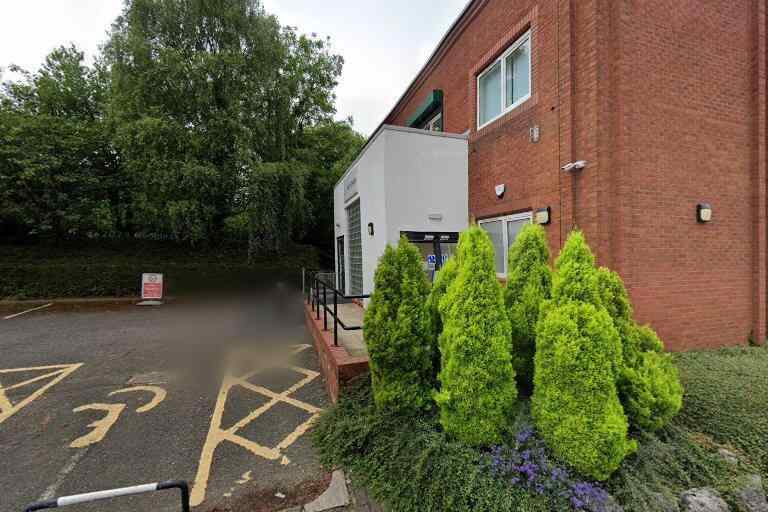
(275, 203)
(477, 381)
(529, 281)
(649, 385)
(326, 149)
(397, 332)
(59, 174)
(202, 93)
(578, 358)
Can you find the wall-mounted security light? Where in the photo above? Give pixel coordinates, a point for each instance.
(500, 189)
(370, 228)
(574, 166)
(543, 216)
(703, 212)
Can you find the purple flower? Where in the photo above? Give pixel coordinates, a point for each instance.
(527, 465)
(525, 435)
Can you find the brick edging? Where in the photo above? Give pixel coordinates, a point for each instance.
(336, 365)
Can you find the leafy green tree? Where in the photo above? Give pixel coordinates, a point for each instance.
(59, 175)
(529, 281)
(276, 206)
(326, 149)
(397, 332)
(477, 381)
(578, 359)
(649, 384)
(202, 93)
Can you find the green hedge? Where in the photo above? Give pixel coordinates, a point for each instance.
(34, 272)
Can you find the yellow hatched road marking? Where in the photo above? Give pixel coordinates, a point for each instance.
(8, 409)
(217, 434)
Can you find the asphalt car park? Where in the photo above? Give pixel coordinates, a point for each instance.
(219, 393)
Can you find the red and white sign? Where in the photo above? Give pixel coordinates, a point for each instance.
(151, 286)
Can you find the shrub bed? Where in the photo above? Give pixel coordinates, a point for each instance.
(409, 464)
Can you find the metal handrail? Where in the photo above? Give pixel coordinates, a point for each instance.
(313, 298)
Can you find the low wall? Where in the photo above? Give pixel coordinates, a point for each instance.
(336, 365)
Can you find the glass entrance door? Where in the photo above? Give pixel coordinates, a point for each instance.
(435, 247)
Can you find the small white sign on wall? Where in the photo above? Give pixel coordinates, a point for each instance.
(350, 185)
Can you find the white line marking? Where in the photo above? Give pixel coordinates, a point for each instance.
(50, 492)
(28, 311)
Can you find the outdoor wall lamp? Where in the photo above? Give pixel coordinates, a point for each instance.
(500, 189)
(574, 166)
(370, 228)
(703, 212)
(543, 216)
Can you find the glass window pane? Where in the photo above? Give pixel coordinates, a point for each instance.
(518, 72)
(489, 90)
(513, 229)
(496, 230)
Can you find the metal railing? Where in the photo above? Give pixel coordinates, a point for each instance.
(317, 281)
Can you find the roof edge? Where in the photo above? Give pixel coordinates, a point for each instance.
(390, 127)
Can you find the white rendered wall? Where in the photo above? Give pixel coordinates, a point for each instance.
(404, 176)
(426, 176)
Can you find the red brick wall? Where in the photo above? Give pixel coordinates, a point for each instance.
(666, 100)
(685, 85)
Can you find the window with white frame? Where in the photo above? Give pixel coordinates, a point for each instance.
(435, 124)
(505, 83)
(503, 232)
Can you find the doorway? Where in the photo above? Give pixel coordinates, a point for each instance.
(435, 247)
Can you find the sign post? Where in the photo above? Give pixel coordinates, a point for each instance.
(151, 290)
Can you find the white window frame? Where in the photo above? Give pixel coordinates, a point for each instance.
(431, 123)
(503, 59)
(505, 233)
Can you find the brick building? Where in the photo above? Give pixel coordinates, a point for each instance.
(665, 101)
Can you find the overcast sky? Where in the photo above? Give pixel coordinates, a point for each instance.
(384, 42)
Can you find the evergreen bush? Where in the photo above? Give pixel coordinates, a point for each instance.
(649, 385)
(443, 279)
(578, 359)
(478, 391)
(529, 283)
(397, 331)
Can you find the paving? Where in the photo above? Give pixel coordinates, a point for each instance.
(352, 315)
(221, 393)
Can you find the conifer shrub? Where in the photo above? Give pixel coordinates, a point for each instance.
(529, 283)
(443, 279)
(397, 332)
(649, 384)
(578, 359)
(575, 276)
(478, 392)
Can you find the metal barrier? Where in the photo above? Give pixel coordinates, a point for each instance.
(316, 278)
(115, 493)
